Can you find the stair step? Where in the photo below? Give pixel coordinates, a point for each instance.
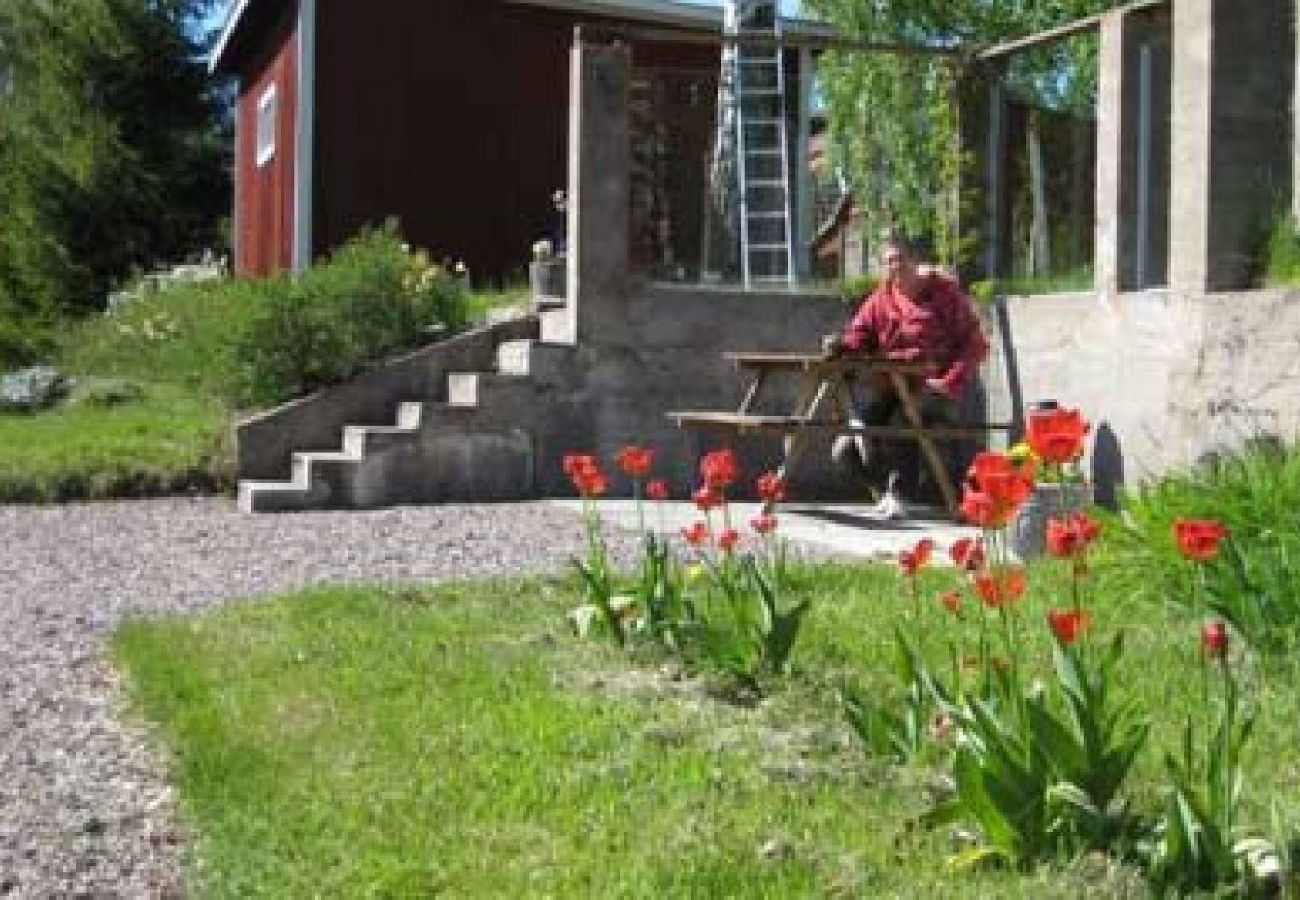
(557, 327)
(360, 440)
(275, 496)
(541, 361)
(462, 388)
(409, 414)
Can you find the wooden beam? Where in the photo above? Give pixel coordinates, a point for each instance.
(1061, 32)
(828, 40)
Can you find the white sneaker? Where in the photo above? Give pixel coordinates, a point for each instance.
(890, 505)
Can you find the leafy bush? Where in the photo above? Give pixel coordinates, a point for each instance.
(259, 342)
(1256, 495)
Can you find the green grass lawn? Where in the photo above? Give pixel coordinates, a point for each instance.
(169, 439)
(457, 739)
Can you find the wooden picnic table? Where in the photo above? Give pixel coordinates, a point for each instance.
(824, 405)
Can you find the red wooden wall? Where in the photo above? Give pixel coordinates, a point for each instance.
(453, 117)
(264, 195)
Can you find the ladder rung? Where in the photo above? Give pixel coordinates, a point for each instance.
(764, 152)
(760, 92)
(760, 61)
(767, 248)
(772, 214)
(762, 121)
(766, 182)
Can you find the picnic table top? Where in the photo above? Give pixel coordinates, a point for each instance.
(766, 359)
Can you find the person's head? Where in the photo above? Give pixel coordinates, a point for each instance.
(898, 261)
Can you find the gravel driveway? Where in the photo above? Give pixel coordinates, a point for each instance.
(84, 808)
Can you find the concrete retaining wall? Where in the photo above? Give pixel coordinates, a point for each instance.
(1164, 377)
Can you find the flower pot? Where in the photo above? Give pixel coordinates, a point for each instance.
(547, 278)
(1029, 528)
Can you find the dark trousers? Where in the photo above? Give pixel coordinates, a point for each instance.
(875, 403)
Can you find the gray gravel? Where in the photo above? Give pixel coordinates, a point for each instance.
(84, 806)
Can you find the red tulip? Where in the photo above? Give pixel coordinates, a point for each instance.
(719, 468)
(657, 489)
(996, 488)
(1071, 535)
(968, 554)
(584, 470)
(696, 535)
(707, 498)
(1214, 638)
(771, 487)
(1056, 436)
(1198, 539)
(952, 602)
(912, 561)
(1068, 624)
(727, 539)
(1000, 587)
(635, 461)
(764, 524)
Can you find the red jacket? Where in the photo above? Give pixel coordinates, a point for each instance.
(938, 326)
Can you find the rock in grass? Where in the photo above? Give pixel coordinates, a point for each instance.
(103, 393)
(31, 389)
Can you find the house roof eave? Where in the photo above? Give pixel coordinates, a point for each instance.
(234, 15)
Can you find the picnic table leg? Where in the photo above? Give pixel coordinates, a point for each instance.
(931, 452)
(751, 393)
(814, 393)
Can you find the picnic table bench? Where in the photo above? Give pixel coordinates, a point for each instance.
(823, 405)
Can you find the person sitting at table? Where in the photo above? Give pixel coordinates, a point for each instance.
(917, 314)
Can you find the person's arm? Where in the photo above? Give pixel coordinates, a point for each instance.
(861, 334)
(969, 345)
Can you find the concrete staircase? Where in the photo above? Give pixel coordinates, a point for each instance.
(474, 443)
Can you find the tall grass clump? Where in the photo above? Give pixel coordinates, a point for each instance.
(1282, 253)
(254, 343)
(1256, 582)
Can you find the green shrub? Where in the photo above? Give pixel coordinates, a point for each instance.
(259, 342)
(858, 286)
(1256, 494)
(1282, 263)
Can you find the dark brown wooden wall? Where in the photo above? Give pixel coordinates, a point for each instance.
(264, 196)
(452, 116)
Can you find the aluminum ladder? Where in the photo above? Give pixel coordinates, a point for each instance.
(762, 144)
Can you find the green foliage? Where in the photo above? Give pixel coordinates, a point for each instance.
(1079, 280)
(259, 342)
(1256, 494)
(741, 624)
(113, 155)
(372, 298)
(858, 287)
(1200, 843)
(895, 118)
(1282, 254)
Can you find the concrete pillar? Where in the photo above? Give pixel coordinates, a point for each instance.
(1233, 81)
(1110, 149)
(1295, 123)
(598, 194)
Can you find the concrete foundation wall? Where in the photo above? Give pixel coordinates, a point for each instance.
(667, 354)
(1164, 377)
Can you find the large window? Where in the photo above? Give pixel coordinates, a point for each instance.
(267, 121)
